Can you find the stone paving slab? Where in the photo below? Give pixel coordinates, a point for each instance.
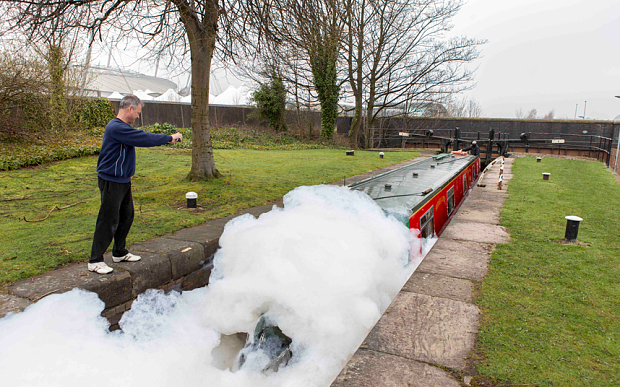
(476, 232)
(490, 187)
(477, 216)
(489, 193)
(221, 222)
(113, 288)
(433, 330)
(440, 286)
(208, 236)
(12, 304)
(481, 210)
(489, 202)
(457, 259)
(372, 369)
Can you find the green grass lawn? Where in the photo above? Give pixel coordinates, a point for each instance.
(250, 178)
(551, 311)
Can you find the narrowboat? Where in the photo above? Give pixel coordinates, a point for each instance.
(425, 195)
(431, 189)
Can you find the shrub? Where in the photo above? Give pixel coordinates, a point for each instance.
(95, 112)
(164, 128)
(270, 100)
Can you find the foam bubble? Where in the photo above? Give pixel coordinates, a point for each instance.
(323, 268)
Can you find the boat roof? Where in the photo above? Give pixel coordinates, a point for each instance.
(408, 184)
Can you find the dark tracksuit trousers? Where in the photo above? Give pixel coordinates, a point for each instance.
(114, 219)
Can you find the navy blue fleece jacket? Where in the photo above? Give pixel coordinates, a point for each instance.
(117, 159)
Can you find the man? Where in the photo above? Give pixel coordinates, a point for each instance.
(474, 149)
(115, 167)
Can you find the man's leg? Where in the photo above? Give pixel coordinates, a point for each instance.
(126, 214)
(112, 195)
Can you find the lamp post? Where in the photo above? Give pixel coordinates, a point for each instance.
(576, 105)
(585, 104)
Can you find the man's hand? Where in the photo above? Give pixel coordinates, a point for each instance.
(177, 137)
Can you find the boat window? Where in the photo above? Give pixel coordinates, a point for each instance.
(450, 200)
(427, 223)
(465, 184)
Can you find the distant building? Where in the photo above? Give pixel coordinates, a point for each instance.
(102, 82)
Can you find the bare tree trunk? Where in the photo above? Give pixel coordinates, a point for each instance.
(356, 81)
(203, 163)
(201, 38)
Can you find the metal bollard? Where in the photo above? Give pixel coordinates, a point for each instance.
(546, 175)
(191, 199)
(572, 228)
(381, 154)
(538, 159)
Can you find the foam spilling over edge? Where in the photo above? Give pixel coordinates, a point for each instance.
(323, 268)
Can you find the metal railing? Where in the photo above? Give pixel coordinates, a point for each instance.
(593, 146)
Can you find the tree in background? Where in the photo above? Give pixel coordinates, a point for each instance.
(533, 114)
(394, 55)
(55, 51)
(170, 27)
(303, 37)
(21, 82)
(464, 107)
(270, 100)
(550, 115)
(400, 59)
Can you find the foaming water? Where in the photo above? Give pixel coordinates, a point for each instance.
(323, 268)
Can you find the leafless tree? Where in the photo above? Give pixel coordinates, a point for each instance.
(57, 50)
(301, 38)
(400, 58)
(175, 27)
(464, 107)
(20, 73)
(550, 115)
(519, 113)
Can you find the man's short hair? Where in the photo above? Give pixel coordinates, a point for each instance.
(130, 100)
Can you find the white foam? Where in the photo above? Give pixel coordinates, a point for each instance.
(325, 267)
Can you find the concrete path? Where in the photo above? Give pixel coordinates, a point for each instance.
(425, 336)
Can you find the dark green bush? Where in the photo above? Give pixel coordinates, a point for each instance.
(164, 128)
(93, 112)
(270, 100)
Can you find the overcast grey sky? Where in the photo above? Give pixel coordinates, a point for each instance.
(545, 54)
(541, 54)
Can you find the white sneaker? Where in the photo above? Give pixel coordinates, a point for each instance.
(129, 257)
(99, 268)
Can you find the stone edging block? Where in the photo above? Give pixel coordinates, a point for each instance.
(148, 273)
(185, 257)
(113, 289)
